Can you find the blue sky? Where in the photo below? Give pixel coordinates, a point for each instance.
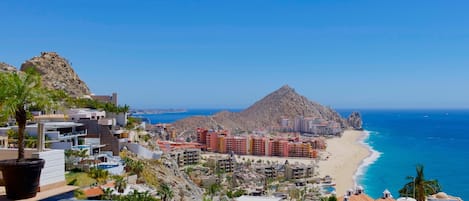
(228, 54)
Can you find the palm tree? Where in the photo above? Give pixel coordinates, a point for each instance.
(120, 183)
(137, 167)
(108, 193)
(99, 174)
(419, 188)
(165, 191)
(18, 91)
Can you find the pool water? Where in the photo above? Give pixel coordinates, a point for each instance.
(106, 166)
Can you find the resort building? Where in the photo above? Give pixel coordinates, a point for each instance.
(278, 147)
(259, 146)
(236, 144)
(355, 195)
(269, 171)
(299, 149)
(202, 136)
(298, 171)
(222, 142)
(63, 135)
(85, 113)
(386, 196)
(105, 98)
(186, 156)
(222, 163)
(212, 141)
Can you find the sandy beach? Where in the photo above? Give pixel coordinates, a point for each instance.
(345, 156)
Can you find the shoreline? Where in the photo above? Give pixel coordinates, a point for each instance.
(346, 158)
(369, 160)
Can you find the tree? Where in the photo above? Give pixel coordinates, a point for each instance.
(107, 194)
(120, 183)
(99, 174)
(165, 192)
(419, 188)
(213, 189)
(18, 92)
(332, 198)
(135, 195)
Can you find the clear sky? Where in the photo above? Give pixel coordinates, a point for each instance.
(228, 54)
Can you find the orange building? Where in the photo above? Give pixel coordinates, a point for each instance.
(258, 146)
(222, 144)
(212, 141)
(278, 147)
(299, 149)
(202, 135)
(237, 144)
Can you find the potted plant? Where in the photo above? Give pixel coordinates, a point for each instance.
(18, 91)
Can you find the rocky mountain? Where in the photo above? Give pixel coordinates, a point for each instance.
(266, 113)
(355, 120)
(57, 73)
(4, 67)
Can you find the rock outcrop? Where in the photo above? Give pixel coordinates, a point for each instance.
(57, 73)
(355, 121)
(4, 67)
(266, 113)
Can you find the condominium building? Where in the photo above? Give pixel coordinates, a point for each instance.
(288, 146)
(202, 135)
(259, 146)
(278, 147)
(212, 141)
(269, 171)
(299, 149)
(186, 156)
(237, 144)
(222, 163)
(298, 171)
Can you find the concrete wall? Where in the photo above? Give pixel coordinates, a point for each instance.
(143, 152)
(61, 145)
(121, 118)
(54, 168)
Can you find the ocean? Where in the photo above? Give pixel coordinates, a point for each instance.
(401, 139)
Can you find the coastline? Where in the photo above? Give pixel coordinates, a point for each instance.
(347, 157)
(372, 158)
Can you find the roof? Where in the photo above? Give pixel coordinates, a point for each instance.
(387, 199)
(93, 192)
(359, 197)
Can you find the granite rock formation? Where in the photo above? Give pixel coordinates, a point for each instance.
(4, 67)
(57, 73)
(355, 121)
(266, 113)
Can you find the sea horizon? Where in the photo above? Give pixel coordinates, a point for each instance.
(387, 166)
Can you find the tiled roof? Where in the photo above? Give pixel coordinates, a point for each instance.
(385, 199)
(93, 192)
(359, 197)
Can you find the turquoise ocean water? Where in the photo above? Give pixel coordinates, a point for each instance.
(401, 139)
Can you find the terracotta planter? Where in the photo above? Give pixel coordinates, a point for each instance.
(21, 178)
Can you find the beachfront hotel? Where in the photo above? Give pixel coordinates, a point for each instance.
(223, 142)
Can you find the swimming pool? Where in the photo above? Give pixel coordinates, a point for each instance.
(107, 166)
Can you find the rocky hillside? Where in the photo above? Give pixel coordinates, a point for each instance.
(57, 73)
(7, 68)
(266, 113)
(355, 120)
